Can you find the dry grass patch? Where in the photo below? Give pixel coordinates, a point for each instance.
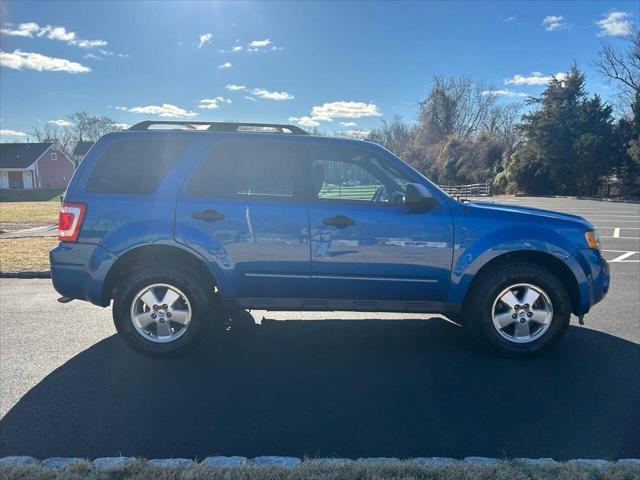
(29, 213)
(26, 254)
(404, 471)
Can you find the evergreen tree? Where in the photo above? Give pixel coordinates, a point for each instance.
(567, 142)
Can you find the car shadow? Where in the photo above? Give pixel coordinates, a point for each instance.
(337, 388)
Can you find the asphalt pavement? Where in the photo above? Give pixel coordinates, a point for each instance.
(329, 384)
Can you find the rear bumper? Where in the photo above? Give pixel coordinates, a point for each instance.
(78, 270)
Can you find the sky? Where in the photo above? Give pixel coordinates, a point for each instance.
(341, 67)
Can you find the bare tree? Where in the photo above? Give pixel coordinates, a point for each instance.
(455, 107)
(394, 135)
(622, 66)
(501, 122)
(83, 127)
(88, 128)
(53, 134)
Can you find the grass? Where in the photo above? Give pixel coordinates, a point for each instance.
(29, 213)
(139, 470)
(26, 254)
(31, 195)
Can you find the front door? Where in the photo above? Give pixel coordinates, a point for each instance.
(365, 243)
(15, 180)
(244, 210)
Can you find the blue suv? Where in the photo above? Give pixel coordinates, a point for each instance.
(181, 226)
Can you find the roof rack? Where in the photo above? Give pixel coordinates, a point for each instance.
(221, 126)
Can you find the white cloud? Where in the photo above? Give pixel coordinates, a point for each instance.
(262, 93)
(554, 22)
(347, 124)
(213, 103)
(355, 133)
(53, 33)
(509, 19)
(60, 123)
(22, 30)
(260, 43)
(204, 39)
(89, 43)
(250, 98)
(505, 93)
(345, 110)
(164, 110)
(35, 61)
(57, 33)
(304, 121)
(237, 48)
(120, 126)
(224, 66)
(536, 78)
(615, 24)
(235, 88)
(12, 133)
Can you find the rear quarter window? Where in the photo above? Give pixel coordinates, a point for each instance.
(135, 166)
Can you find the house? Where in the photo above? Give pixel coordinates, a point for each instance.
(80, 151)
(34, 165)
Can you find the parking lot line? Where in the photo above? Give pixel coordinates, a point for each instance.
(622, 258)
(616, 232)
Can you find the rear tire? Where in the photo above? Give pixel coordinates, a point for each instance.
(539, 320)
(163, 311)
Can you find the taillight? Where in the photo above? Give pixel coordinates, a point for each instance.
(70, 221)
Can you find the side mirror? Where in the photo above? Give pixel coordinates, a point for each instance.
(419, 197)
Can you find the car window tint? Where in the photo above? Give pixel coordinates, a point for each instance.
(135, 166)
(347, 174)
(249, 169)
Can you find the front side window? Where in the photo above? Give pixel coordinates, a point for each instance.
(352, 175)
(249, 169)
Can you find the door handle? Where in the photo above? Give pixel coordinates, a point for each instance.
(208, 215)
(339, 221)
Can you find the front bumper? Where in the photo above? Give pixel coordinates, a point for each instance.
(598, 278)
(78, 270)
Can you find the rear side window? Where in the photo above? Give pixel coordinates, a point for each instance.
(250, 169)
(135, 166)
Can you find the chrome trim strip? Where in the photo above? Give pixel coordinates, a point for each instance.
(338, 277)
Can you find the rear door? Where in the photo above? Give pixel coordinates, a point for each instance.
(244, 210)
(365, 243)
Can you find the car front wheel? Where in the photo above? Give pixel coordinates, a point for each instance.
(518, 309)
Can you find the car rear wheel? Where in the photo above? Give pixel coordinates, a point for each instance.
(163, 312)
(518, 309)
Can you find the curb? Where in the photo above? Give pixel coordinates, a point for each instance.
(107, 463)
(46, 274)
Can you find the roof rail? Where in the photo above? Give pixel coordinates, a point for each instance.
(221, 126)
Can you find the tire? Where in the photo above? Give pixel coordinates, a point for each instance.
(194, 309)
(490, 307)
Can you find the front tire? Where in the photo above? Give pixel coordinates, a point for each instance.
(163, 311)
(518, 309)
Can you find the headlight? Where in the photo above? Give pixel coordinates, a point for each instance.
(593, 238)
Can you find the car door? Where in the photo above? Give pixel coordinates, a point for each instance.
(244, 210)
(365, 243)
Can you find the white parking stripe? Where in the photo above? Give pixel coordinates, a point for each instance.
(623, 257)
(616, 232)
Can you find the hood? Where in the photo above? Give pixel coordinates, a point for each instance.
(512, 209)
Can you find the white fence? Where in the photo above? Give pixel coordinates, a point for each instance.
(472, 190)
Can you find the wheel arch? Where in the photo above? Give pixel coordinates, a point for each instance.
(161, 253)
(551, 262)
